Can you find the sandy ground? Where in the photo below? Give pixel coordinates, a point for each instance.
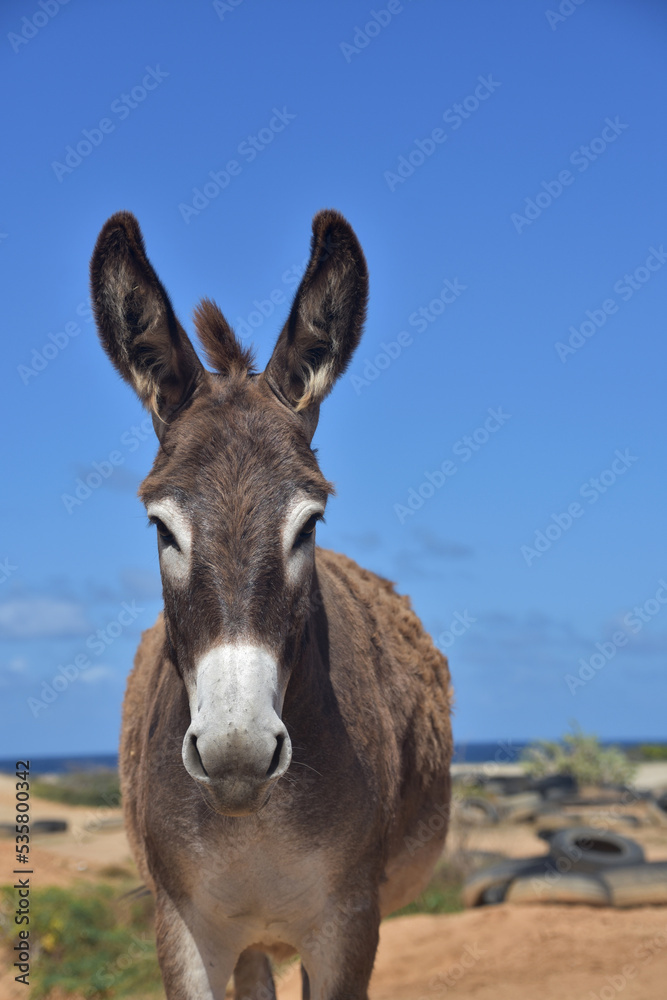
(95, 839)
(519, 953)
(507, 952)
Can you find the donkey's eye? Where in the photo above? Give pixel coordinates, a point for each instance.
(308, 529)
(164, 533)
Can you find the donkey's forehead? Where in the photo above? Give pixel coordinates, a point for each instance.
(235, 443)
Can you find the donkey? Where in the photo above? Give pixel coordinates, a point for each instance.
(286, 736)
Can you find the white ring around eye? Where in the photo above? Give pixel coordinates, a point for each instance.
(175, 564)
(298, 514)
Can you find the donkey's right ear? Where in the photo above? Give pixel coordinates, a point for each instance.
(136, 321)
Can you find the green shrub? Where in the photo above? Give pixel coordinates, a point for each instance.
(580, 755)
(441, 895)
(90, 942)
(99, 787)
(653, 751)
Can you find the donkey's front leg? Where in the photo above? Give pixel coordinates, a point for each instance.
(338, 955)
(192, 967)
(253, 979)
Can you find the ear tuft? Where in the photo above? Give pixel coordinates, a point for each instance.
(222, 350)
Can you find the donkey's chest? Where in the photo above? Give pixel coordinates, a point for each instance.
(268, 892)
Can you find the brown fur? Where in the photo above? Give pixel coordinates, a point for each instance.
(405, 684)
(340, 838)
(222, 349)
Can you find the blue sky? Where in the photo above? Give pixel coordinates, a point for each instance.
(504, 168)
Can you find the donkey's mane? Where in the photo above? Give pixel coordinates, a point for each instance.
(221, 348)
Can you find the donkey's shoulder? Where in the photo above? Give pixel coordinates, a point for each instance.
(413, 674)
(395, 626)
(374, 593)
(362, 584)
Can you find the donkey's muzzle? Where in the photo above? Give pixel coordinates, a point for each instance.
(236, 746)
(236, 773)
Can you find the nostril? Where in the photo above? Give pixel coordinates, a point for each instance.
(277, 753)
(197, 757)
(194, 765)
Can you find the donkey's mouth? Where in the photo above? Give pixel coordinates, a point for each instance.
(236, 773)
(236, 796)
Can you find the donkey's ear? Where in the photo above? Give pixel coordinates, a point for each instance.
(327, 315)
(136, 322)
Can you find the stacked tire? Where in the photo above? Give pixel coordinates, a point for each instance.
(583, 865)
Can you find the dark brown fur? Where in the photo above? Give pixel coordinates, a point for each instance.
(367, 704)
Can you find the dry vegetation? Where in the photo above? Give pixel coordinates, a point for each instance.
(92, 942)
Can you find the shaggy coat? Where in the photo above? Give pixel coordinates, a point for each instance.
(286, 733)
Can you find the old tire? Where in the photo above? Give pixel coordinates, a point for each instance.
(48, 826)
(574, 887)
(477, 811)
(556, 787)
(523, 806)
(638, 885)
(490, 884)
(584, 849)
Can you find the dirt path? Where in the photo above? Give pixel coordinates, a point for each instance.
(520, 953)
(510, 953)
(94, 840)
(507, 952)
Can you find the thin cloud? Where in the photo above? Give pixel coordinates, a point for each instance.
(41, 618)
(141, 583)
(436, 546)
(93, 675)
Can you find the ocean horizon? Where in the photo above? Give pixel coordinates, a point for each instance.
(502, 751)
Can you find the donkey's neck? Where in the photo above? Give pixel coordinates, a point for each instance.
(309, 685)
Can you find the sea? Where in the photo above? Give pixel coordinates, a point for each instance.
(503, 751)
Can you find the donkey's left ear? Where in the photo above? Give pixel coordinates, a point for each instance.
(326, 319)
(136, 322)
